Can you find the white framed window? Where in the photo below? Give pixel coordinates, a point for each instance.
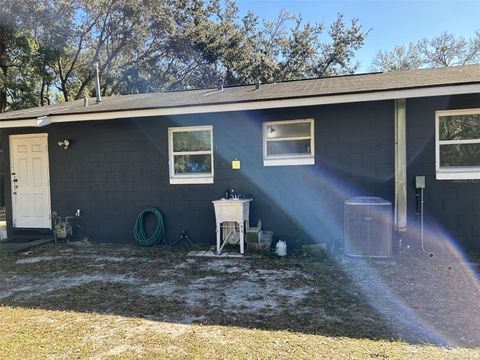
(190, 154)
(457, 144)
(288, 142)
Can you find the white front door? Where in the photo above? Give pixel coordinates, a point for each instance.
(30, 181)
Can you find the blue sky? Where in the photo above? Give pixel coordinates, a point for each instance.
(391, 22)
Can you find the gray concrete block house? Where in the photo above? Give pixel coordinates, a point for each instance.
(304, 148)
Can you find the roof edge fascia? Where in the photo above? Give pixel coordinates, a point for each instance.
(246, 106)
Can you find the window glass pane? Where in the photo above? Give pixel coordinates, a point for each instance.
(459, 127)
(276, 131)
(460, 155)
(289, 147)
(192, 164)
(191, 140)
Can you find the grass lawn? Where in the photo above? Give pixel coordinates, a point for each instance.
(102, 302)
(35, 333)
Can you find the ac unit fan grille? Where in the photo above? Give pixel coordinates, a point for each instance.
(368, 227)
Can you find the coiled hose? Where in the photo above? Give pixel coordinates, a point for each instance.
(139, 229)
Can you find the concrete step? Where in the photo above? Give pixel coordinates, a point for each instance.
(22, 238)
(15, 247)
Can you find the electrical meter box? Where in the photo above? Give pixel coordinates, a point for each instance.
(420, 182)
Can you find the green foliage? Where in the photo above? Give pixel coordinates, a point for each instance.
(144, 46)
(459, 127)
(193, 164)
(463, 155)
(29, 32)
(192, 140)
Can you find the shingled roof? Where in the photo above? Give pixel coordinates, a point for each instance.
(289, 90)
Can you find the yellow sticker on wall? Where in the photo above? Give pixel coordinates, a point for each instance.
(236, 164)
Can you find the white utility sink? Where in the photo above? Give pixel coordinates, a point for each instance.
(232, 210)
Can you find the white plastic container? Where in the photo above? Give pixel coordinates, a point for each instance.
(281, 248)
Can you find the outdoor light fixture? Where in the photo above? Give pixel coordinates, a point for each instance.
(43, 121)
(65, 143)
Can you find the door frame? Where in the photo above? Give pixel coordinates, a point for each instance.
(49, 204)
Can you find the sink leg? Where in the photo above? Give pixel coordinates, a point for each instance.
(242, 239)
(218, 238)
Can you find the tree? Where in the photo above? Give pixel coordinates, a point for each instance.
(449, 50)
(103, 31)
(400, 58)
(15, 51)
(278, 50)
(150, 45)
(336, 57)
(443, 50)
(27, 28)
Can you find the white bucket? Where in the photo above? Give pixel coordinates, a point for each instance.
(281, 249)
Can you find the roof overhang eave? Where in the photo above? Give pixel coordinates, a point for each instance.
(246, 106)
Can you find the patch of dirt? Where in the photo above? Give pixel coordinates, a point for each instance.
(414, 298)
(36, 286)
(434, 298)
(36, 259)
(247, 292)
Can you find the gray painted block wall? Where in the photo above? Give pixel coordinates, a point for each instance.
(113, 169)
(452, 207)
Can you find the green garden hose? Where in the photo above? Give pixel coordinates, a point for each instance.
(139, 229)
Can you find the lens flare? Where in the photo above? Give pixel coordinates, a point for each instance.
(313, 198)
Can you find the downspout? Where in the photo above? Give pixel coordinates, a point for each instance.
(400, 168)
